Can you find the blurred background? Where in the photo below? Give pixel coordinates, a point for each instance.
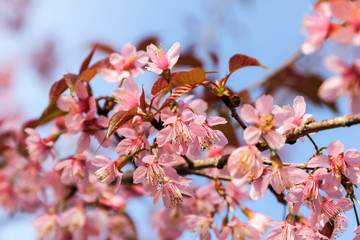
(43, 40)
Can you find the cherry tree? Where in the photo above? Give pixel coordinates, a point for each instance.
(188, 126)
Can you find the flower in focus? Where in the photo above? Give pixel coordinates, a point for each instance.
(244, 164)
(160, 59)
(127, 64)
(108, 169)
(265, 122)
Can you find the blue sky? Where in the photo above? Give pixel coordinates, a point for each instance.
(267, 30)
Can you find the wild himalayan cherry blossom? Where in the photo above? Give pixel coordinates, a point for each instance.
(340, 162)
(74, 170)
(349, 14)
(84, 103)
(349, 81)
(238, 230)
(265, 122)
(308, 191)
(126, 96)
(283, 231)
(298, 114)
(215, 137)
(171, 191)
(318, 28)
(160, 60)
(331, 214)
(154, 172)
(245, 164)
(46, 225)
(181, 131)
(39, 148)
(108, 170)
(127, 64)
(280, 177)
(357, 231)
(73, 219)
(133, 142)
(90, 126)
(199, 224)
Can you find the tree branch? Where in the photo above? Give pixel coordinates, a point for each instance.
(291, 137)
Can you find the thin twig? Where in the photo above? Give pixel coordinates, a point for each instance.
(236, 116)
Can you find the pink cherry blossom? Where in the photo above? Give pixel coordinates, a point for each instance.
(215, 137)
(127, 64)
(126, 96)
(348, 82)
(39, 148)
(245, 164)
(239, 230)
(154, 171)
(298, 114)
(84, 103)
(199, 224)
(171, 191)
(108, 170)
(181, 131)
(160, 60)
(340, 163)
(133, 142)
(46, 225)
(73, 218)
(74, 169)
(318, 28)
(265, 122)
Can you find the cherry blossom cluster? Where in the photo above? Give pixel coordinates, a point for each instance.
(338, 21)
(160, 136)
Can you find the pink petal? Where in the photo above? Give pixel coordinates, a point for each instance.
(299, 106)
(252, 135)
(264, 104)
(110, 76)
(81, 91)
(259, 186)
(331, 89)
(355, 104)
(116, 60)
(344, 35)
(65, 103)
(164, 136)
(249, 114)
(130, 86)
(173, 54)
(216, 121)
(139, 174)
(128, 133)
(128, 51)
(149, 159)
(318, 161)
(336, 64)
(84, 142)
(275, 139)
(335, 148)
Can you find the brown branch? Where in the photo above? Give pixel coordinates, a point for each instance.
(303, 130)
(291, 137)
(236, 116)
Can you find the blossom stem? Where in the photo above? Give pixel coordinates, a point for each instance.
(236, 116)
(313, 142)
(355, 211)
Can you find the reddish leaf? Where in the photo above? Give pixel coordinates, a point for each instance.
(194, 76)
(189, 59)
(116, 121)
(51, 112)
(142, 100)
(159, 85)
(103, 47)
(147, 41)
(178, 92)
(240, 60)
(87, 75)
(104, 63)
(87, 60)
(56, 90)
(71, 81)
